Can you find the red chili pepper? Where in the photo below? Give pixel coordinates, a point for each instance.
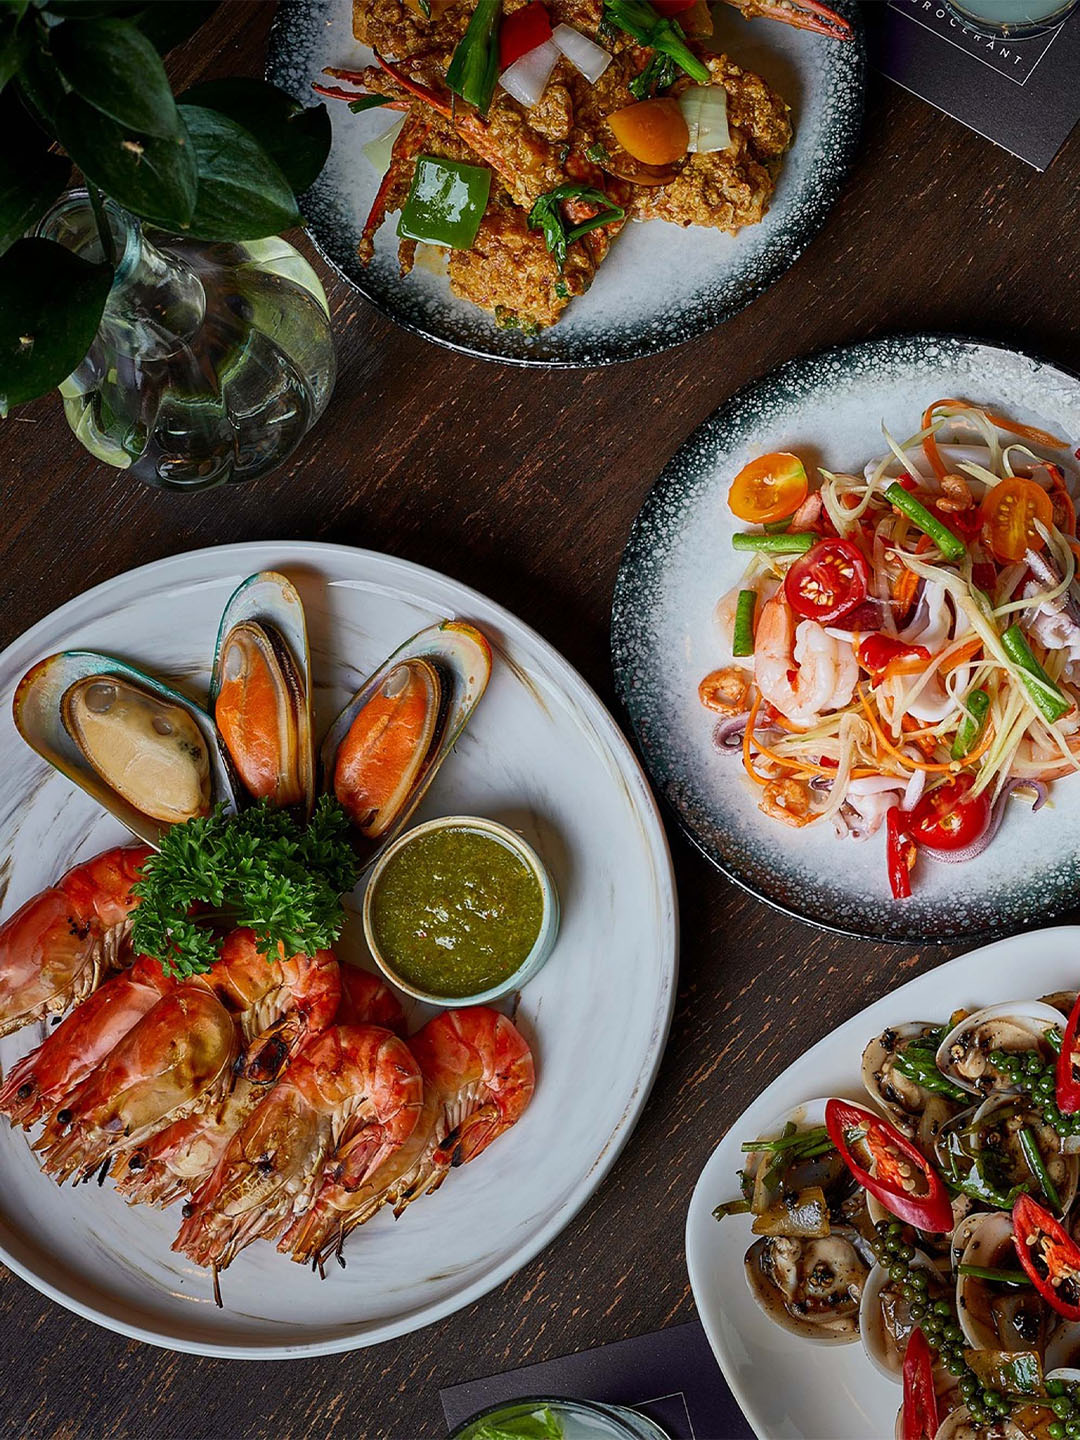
(523, 31)
(1068, 1085)
(908, 483)
(672, 7)
(874, 652)
(900, 852)
(1049, 1257)
(965, 524)
(898, 1164)
(920, 1399)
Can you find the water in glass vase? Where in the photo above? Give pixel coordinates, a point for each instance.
(211, 361)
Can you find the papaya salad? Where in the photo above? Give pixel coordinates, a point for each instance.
(906, 641)
(937, 1227)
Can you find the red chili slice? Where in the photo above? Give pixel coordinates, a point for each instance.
(899, 1165)
(1068, 1084)
(920, 1399)
(900, 853)
(1049, 1257)
(828, 581)
(874, 652)
(669, 8)
(523, 31)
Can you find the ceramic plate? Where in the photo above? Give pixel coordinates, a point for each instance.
(679, 561)
(789, 1387)
(541, 755)
(661, 285)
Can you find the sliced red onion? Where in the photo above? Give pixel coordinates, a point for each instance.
(526, 79)
(584, 54)
(868, 615)
(969, 852)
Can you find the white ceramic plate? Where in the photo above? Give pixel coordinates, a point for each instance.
(790, 1387)
(828, 408)
(661, 285)
(542, 755)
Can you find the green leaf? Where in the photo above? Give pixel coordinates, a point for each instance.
(51, 303)
(14, 44)
(147, 174)
(113, 67)
(242, 194)
(295, 136)
(167, 23)
(30, 177)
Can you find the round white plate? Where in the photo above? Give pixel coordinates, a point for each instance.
(542, 755)
(828, 408)
(790, 1387)
(661, 284)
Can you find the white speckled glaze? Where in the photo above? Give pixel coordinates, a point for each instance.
(788, 1389)
(541, 755)
(661, 285)
(679, 561)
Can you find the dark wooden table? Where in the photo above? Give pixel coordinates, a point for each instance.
(524, 484)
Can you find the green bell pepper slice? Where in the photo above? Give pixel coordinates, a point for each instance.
(446, 202)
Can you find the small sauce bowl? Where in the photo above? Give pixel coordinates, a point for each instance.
(549, 909)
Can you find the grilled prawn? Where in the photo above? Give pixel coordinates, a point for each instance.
(478, 1079)
(355, 1083)
(56, 949)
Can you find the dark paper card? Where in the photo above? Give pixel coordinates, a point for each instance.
(1022, 94)
(671, 1376)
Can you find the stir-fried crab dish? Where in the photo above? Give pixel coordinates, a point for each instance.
(532, 132)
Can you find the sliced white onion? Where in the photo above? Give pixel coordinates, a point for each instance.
(704, 109)
(380, 150)
(526, 79)
(584, 54)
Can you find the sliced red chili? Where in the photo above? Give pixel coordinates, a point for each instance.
(920, 1399)
(900, 1167)
(1068, 1083)
(828, 581)
(874, 652)
(1049, 1256)
(900, 853)
(523, 31)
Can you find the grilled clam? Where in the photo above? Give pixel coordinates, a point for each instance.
(885, 1320)
(915, 1110)
(260, 691)
(1016, 1026)
(993, 1316)
(808, 1270)
(384, 749)
(145, 752)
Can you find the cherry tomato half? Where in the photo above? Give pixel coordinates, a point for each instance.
(523, 31)
(827, 581)
(1009, 511)
(770, 488)
(948, 818)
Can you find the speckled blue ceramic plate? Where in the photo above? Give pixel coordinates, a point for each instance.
(679, 561)
(661, 285)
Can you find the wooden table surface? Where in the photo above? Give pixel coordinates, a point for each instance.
(524, 484)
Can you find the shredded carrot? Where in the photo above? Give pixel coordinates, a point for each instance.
(924, 739)
(747, 736)
(807, 766)
(966, 652)
(907, 582)
(950, 769)
(1026, 432)
(904, 665)
(929, 445)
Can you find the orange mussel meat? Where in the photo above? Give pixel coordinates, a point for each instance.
(259, 714)
(382, 756)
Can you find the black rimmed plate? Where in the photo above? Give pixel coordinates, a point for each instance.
(679, 561)
(661, 285)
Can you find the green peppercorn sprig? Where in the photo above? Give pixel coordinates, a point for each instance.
(1034, 1077)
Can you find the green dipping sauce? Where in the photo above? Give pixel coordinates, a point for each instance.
(456, 912)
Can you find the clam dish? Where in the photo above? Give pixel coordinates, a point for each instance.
(936, 1227)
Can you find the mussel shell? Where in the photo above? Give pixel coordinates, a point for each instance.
(1013, 1025)
(38, 714)
(271, 606)
(460, 656)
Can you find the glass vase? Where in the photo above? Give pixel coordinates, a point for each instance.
(211, 361)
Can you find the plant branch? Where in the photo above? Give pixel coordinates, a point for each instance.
(108, 243)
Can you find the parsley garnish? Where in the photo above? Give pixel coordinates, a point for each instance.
(546, 215)
(658, 74)
(368, 102)
(261, 868)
